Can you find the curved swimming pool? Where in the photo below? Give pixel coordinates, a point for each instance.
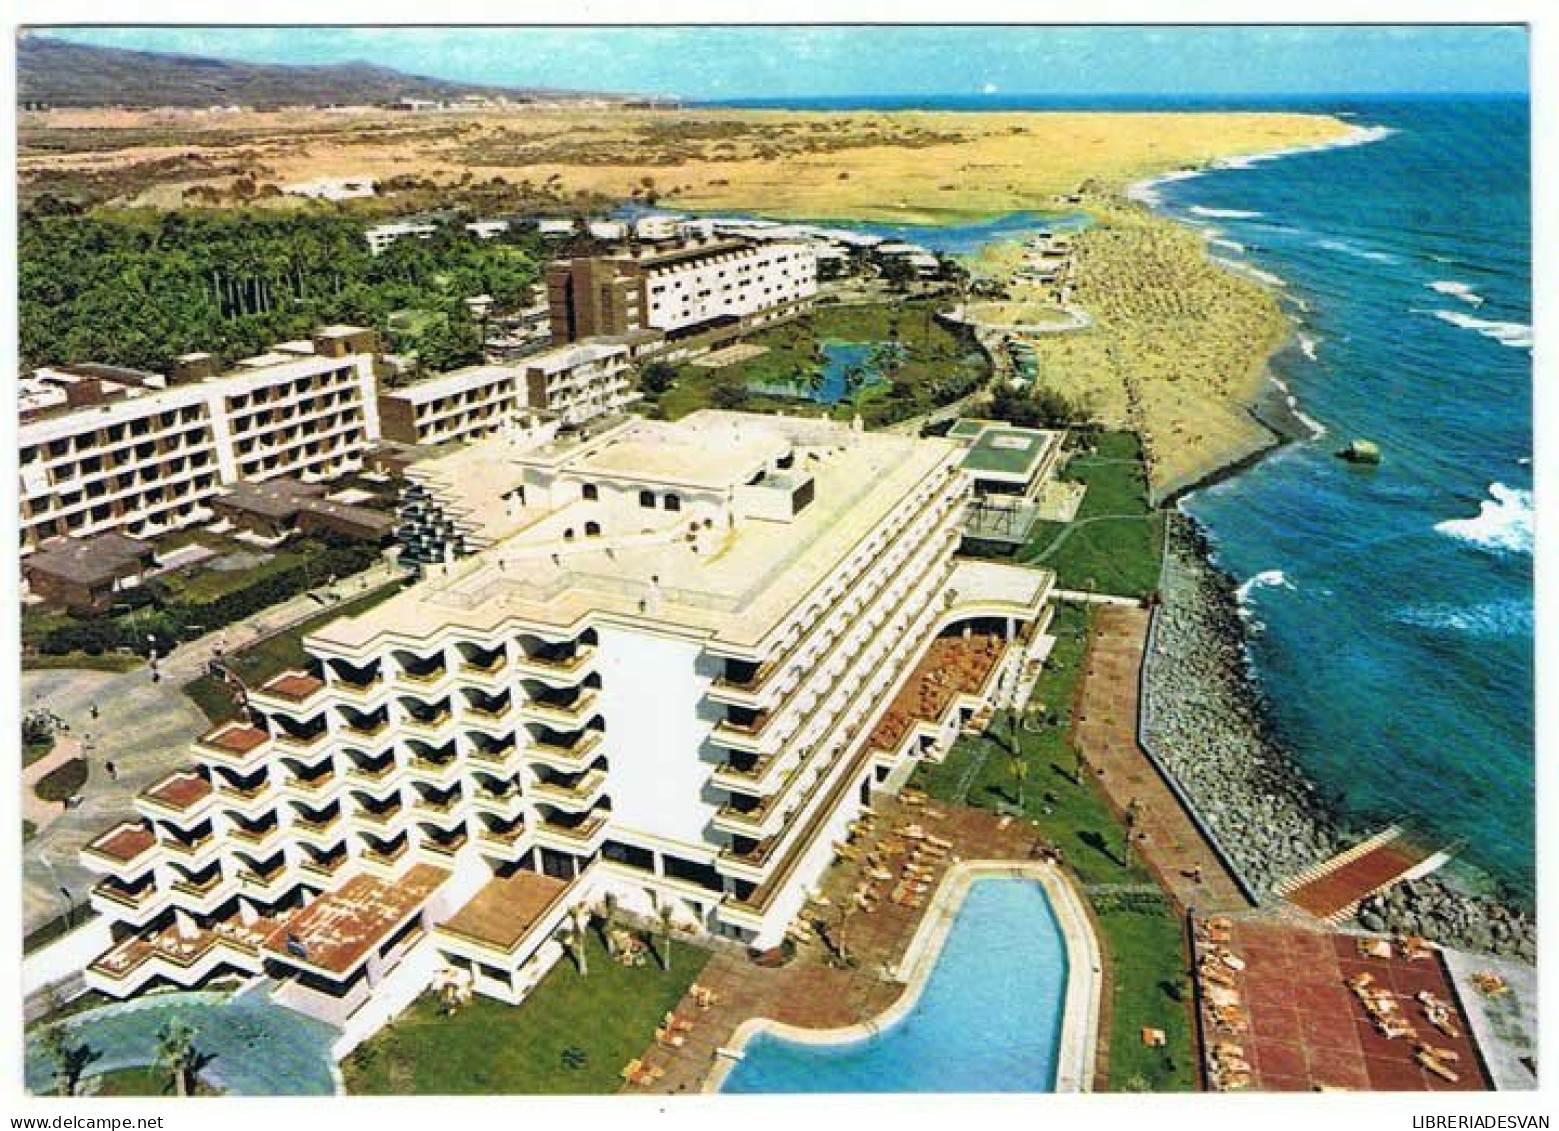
(989, 1018)
(254, 1046)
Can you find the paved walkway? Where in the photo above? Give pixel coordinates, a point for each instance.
(1105, 730)
(145, 729)
(811, 991)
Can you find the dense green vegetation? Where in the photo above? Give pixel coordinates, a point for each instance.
(81, 661)
(932, 365)
(138, 289)
(1139, 932)
(274, 655)
(38, 734)
(168, 611)
(572, 1035)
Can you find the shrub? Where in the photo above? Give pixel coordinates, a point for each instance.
(63, 782)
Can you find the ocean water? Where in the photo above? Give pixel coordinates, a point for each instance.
(1391, 608)
(988, 1020)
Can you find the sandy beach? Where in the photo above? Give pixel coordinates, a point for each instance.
(1179, 343)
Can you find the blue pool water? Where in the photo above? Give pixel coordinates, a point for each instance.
(256, 1047)
(839, 358)
(989, 1019)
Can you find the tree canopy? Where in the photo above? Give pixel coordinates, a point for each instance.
(138, 290)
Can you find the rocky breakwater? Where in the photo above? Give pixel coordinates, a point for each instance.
(1207, 722)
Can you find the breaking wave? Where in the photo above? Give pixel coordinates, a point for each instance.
(1503, 524)
(1516, 335)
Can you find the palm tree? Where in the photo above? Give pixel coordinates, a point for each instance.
(572, 941)
(608, 919)
(1018, 766)
(1133, 816)
(56, 1046)
(176, 1054)
(668, 922)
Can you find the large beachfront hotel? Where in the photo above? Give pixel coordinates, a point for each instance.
(105, 449)
(669, 661)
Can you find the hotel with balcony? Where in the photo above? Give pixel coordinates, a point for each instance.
(689, 297)
(573, 384)
(107, 449)
(668, 661)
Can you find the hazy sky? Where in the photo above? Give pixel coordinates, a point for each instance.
(747, 62)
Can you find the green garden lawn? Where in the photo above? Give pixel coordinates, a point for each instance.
(486, 1047)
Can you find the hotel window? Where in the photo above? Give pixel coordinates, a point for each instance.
(590, 492)
(647, 499)
(673, 502)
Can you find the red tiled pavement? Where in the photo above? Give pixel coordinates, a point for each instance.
(1307, 1030)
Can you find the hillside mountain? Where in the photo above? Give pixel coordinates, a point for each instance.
(57, 73)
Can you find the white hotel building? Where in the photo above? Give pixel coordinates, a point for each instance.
(692, 295)
(572, 385)
(663, 671)
(129, 452)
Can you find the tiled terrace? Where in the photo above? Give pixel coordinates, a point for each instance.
(810, 991)
(336, 930)
(1297, 1026)
(1105, 730)
(952, 666)
(1334, 894)
(180, 789)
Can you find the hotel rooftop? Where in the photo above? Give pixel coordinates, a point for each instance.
(734, 580)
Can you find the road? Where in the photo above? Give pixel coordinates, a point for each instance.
(145, 729)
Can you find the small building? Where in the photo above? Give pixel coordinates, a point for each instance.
(487, 229)
(1004, 459)
(381, 236)
(278, 509)
(86, 574)
(333, 188)
(1010, 468)
(609, 231)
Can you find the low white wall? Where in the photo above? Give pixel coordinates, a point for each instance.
(390, 997)
(66, 956)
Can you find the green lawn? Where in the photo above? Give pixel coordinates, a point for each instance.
(81, 661)
(1116, 539)
(36, 749)
(610, 1015)
(203, 584)
(62, 782)
(279, 653)
(1140, 937)
(938, 364)
(142, 1081)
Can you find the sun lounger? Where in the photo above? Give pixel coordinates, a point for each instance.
(632, 1071)
(670, 1040)
(1393, 1029)
(1375, 948)
(1490, 984)
(1430, 1064)
(1154, 1038)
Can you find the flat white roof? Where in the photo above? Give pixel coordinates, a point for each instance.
(736, 585)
